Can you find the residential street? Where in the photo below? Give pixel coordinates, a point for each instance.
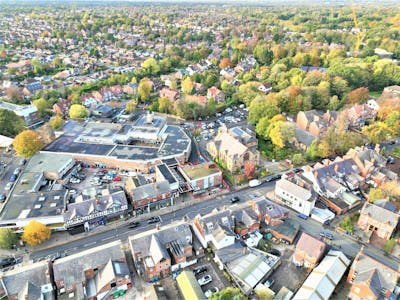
(87, 240)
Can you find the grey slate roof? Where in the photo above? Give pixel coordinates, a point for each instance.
(270, 208)
(380, 214)
(150, 190)
(71, 269)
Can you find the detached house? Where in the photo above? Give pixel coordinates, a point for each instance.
(359, 114)
(380, 218)
(315, 122)
(309, 251)
(171, 95)
(157, 253)
(269, 212)
(373, 276)
(216, 94)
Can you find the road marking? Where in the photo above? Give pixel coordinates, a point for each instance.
(107, 238)
(89, 244)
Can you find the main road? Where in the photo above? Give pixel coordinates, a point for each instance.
(89, 240)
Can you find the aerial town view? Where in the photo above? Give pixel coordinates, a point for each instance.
(199, 149)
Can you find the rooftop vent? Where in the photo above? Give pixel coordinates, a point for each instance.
(37, 206)
(41, 198)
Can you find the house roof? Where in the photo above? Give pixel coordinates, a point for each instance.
(268, 207)
(231, 252)
(25, 279)
(224, 142)
(150, 190)
(375, 271)
(194, 172)
(71, 269)
(294, 189)
(380, 214)
(310, 245)
(321, 283)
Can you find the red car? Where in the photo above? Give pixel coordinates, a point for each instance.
(117, 178)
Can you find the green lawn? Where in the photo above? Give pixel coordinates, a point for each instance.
(375, 94)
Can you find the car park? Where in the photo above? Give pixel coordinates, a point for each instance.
(200, 270)
(211, 291)
(326, 235)
(153, 220)
(235, 199)
(205, 280)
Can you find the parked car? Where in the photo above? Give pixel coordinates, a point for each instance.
(8, 186)
(298, 170)
(269, 282)
(133, 224)
(205, 280)
(254, 183)
(2, 198)
(211, 291)
(7, 262)
(117, 178)
(13, 178)
(326, 235)
(200, 270)
(153, 220)
(235, 199)
(22, 161)
(275, 252)
(273, 177)
(302, 216)
(17, 171)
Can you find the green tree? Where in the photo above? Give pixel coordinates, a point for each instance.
(8, 238)
(263, 54)
(298, 159)
(27, 143)
(144, 89)
(151, 66)
(164, 105)
(41, 105)
(56, 122)
(377, 132)
(78, 111)
(280, 133)
(262, 107)
(130, 106)
(187, 86)
(375, 194)
(10, 123)
(228, 293)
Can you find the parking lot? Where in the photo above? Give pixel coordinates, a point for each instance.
(10, 169)
(218, 279)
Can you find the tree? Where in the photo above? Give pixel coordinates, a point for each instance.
(144, 89)
(225, 63)
(388, 190)
(10, 123)
(263, 54)
(27, 143)
(151, 66)
(228, 293)
(377, 132)
(264, 294)
(8, 238)
(35, 233)
(14, 94)
(375, 194)
(280, 133)
(249, 169)
(187, 86)
(41, 105)
(262, 107)
(359, 95)
(298, 159)
(130, 106)
(78, 111)
(164, 105)
(56, 122)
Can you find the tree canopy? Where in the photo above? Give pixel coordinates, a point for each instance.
(27, 143)
(10, 123)
(35, 233)
(8, 238)
(78, 111)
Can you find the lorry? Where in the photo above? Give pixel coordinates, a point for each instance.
(323, 216)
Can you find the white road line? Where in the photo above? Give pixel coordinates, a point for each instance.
(107, 238)
(89, 244)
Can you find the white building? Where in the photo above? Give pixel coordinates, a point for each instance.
(295, 196)
(321, 283)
